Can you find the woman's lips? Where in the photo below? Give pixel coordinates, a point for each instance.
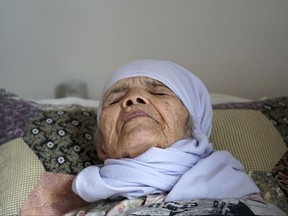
(135, 114)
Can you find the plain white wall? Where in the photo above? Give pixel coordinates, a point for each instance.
(237, 47)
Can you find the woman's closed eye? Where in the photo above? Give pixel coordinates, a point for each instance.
(158, 93)
(113, 99)
(161, 90)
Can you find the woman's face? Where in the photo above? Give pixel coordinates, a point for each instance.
(139, 113)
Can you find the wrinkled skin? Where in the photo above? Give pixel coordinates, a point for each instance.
(137, 114)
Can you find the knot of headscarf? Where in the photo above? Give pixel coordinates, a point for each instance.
(188, 169)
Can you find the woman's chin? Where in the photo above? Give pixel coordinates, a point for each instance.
(133, 151)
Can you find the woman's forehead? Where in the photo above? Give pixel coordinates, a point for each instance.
(128, 82)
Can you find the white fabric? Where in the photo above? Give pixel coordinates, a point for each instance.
(217, 98)
(69, 101)
(189, 169)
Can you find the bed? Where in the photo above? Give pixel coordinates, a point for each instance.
(45, 143)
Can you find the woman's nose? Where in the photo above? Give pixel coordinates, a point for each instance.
(133, 98)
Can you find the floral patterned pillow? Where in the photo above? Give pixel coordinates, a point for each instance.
(63, 138)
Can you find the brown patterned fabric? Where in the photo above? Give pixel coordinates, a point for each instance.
(63, 138)
(280, 173)
(270, 190)
(15, 115)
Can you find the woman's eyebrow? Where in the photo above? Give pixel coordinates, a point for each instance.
(153, 83)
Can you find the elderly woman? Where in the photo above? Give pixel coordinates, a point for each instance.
(154, 121)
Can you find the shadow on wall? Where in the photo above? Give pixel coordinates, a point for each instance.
(73, 88)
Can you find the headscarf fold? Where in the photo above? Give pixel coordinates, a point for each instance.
(188, 169)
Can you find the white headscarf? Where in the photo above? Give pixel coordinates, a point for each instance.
(188, 169)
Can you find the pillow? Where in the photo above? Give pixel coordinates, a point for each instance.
(250, 136)
(20, 170)
(276, 111)
(62, 138)
(39, 138)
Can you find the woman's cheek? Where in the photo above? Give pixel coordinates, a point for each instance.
(108, 128)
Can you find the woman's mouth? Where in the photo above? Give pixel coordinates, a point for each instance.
(134, 115)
